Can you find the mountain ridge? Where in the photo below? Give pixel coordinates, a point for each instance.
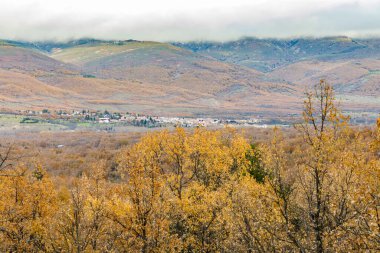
(246, 77)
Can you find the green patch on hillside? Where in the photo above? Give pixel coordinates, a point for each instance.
(29, 121)
(90, 52)
(374, 72)
(3, 43)
(342, 39)
(88, 76)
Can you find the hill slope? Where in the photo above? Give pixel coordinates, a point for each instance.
(134, 76)
(351, 65)
(245, 77)
(268, 54)
(180, 73)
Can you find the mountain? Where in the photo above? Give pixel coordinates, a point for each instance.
(351, 65)
(268, 54)
(239, 78)
(147, 77)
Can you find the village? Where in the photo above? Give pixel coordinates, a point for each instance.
(133, 119)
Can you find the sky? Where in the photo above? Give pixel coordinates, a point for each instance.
(192, 20)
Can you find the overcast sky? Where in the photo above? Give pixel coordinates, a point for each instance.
(177, 20)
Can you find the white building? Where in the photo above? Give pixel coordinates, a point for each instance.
(104, 120)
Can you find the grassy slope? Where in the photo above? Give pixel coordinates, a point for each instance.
(29, 60)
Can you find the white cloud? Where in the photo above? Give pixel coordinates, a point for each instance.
(186, 20)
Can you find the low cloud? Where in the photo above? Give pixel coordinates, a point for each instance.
(169, 20)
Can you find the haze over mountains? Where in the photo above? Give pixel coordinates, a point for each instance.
(238, 78)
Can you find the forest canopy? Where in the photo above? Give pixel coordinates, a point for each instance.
(207, 191)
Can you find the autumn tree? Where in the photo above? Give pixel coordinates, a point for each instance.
(315, 188)
(139, 211)
(318, 192)
(27, 204)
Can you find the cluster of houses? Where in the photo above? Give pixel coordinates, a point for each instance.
(206, 122)
(155, 121)
(136, 119)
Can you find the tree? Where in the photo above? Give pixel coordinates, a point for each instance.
(139, 211)
(255, 164)
(321, 203)
(27, 204)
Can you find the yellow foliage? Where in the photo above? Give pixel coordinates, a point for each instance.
(208, 191)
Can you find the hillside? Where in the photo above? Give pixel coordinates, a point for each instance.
(147, 77)
(241, 78)
(30, 60)
(268, 54)
(351, 65)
